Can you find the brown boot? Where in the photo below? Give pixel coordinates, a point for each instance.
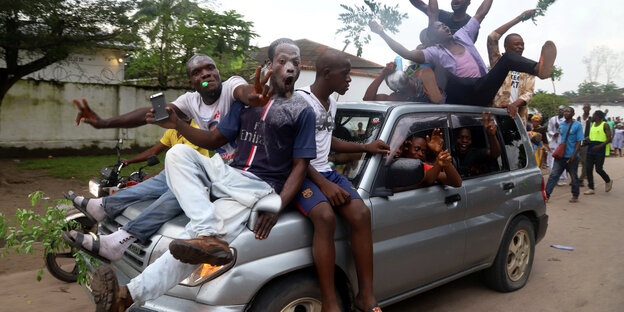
(107, 294)
(203, 249)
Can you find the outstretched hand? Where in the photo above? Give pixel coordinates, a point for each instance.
(375, 27)
(435, 142)
(261, 93)
(527, 14)
(170, 122)
(86, 115)
(377, 147)
(265, 223)
(488, 124)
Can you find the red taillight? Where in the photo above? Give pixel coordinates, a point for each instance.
(544, 190)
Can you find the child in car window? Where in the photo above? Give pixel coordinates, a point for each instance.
(437, 162)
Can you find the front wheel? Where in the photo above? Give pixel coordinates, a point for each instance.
(299, 292)
(514, 260)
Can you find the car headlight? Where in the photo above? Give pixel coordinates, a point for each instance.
(204, 272)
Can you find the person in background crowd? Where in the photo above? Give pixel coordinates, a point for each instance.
(599, 137)
(571, 132)
(585, 121)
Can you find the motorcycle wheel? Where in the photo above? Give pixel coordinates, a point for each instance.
(62, 264)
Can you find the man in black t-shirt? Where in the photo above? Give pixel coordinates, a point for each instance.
(454, 20)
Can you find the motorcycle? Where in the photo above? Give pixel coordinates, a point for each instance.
(110, 181)
(62, 264)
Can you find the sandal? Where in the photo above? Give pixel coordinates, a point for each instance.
(77, 243)
(82, 207)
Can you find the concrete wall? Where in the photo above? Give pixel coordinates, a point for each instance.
(36, 114)
(100, 66)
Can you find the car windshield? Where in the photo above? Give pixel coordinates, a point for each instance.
(354, 126)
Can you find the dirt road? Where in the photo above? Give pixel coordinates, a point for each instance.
(590, 278)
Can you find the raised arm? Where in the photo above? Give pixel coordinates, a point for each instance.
(483, 10)
(490, 129)
(415, 55)
(433, 11)
(420, 5)
(520, 18)
(371, 91)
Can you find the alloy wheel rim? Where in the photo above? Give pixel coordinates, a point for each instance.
(518, 255)
(306, 304)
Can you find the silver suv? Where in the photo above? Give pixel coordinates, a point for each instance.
(423, 236)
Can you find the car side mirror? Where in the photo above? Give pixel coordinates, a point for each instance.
(404, 172)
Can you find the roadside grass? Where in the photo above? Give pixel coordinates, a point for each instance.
(83, 168)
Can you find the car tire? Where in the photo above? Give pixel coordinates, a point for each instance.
(514, 260)
(299, 292)
(60, 268)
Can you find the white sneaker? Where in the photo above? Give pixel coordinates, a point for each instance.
(608, 185)
(562, 184)
(589, 192)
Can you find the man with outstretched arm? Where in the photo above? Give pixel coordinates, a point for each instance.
(325, 192)
(517, 90)
(206, 105)
(275, 144)
(460, 70)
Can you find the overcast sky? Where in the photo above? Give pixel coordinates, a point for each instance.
(575, 26)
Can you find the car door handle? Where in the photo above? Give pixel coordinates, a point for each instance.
(451, 199)
(508, 186)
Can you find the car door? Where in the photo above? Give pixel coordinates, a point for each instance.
(418, 231)
(488, 184)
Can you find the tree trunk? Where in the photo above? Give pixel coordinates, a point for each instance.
(554, 92)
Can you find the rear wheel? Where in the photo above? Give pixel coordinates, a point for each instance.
(61, 264)
(514, 260)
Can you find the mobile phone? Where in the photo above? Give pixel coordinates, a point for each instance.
(159, 104)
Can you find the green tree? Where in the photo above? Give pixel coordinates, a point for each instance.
(38, 33)
(546, 103)
(356, 20)
(174, 30)
(589, 87)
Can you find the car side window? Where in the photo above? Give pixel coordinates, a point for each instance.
(514, 147)
(409, 138)
(475, 151)
(358, 127)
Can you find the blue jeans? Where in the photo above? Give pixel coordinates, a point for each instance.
(163, 209)
(559, 165)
